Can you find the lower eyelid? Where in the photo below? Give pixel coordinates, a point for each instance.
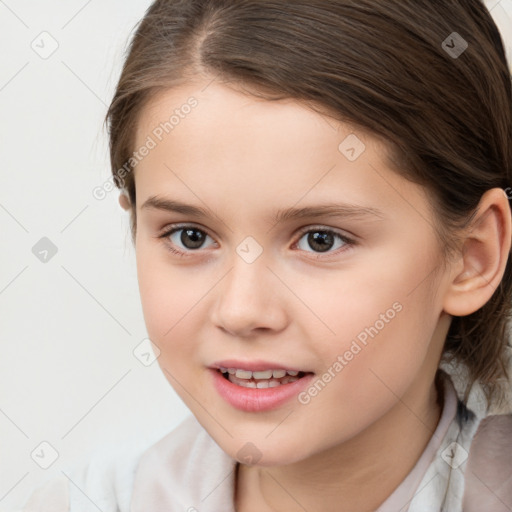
(173, 231)
(347, 243)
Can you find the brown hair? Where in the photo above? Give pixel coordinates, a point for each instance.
(394, 68)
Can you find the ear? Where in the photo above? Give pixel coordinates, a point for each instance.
(124, 201)
(481, 264)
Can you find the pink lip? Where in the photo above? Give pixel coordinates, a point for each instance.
(255, 399)
(254, 366)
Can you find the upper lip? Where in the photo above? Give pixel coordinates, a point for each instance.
(254, 366)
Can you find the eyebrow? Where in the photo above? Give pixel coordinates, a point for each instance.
(324, 210)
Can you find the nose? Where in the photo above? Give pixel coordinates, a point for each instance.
(250, 299)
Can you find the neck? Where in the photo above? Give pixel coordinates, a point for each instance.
(378, 459)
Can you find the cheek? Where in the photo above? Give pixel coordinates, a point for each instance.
(171, 303)
(382, 318)
(383, 293)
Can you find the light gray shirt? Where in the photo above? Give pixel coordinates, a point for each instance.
(186, 471)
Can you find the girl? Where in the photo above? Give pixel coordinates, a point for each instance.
(319, 201)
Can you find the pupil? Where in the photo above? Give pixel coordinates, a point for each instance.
(322, 240)
(194, 235)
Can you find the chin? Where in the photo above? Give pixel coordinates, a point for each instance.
(263, 453)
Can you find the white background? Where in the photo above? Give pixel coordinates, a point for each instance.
(68, 327)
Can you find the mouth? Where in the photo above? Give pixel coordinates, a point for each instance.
(271, 378)
(258, 385)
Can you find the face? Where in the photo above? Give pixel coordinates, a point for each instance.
(299, 250)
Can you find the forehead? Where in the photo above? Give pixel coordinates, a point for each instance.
(222, 108)
(211, 137)
(214, 123)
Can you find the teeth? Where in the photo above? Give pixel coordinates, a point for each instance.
(267, 374)
(274, 383)
(263, 374)
(243, 374)
(248, 384)
(260, 380)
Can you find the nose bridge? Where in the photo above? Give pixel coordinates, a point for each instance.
(245, 299)
(245, 281)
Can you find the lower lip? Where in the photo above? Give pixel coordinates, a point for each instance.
(256, 399)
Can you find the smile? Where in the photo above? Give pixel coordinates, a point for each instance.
(260, 379)
(258, 390)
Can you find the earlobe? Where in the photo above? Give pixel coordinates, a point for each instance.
(124, 201)
(484, 256)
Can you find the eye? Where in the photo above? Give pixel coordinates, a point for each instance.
(186, 239)
(191, 238)
(322, 240)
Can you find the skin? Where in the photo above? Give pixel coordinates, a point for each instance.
(244, 158)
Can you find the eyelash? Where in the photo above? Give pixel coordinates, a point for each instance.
(184, 254)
